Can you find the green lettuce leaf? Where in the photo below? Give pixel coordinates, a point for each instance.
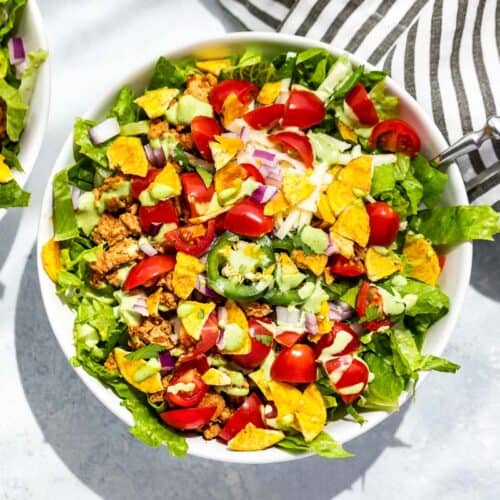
(387, 106)
(16, 110)
(82, 174)
(65, 226)
(9, 10)
(35, 59)
(433, 180)
(326, 148)
(83, 145)
(13, 195)
(451, 225)
(406, 356)
(384, 391)
(383, 180)
(258, 73)
(323, 445)
(146, 352)
(285, 65)
(125, 110)
(431, 362)
(312, 66)
(169, 74)
(11, 159)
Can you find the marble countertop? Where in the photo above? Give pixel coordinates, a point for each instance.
(57, 441)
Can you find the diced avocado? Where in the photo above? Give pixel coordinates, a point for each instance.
(87, 215)
(151, 367)
(121, 191)
(184, 310)
(314, 238)
(161, 191)
(236, 391)
(392, 305)
(216, 360)
(287, 274)
(125, 309)
(313, 303)
(226, 195)
(234, 337)
(164, 228)
(146, 199)
(186, 108)
(306, 290)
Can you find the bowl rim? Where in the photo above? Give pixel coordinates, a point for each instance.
(42, 95)
(65, 339)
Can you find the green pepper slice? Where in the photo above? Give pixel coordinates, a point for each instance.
(234, 285)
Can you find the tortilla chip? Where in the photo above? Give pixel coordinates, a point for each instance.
(345, 246)
(127, 154)
(358, 174)
(340, 195)
(155, 102)
(380, 266)
(286, 398)
(224, 149)
(232, 108)
(186, 271)
(324, 210)
(325, 324)
(315, 263)
(214, 66)
(252, 438)
(194, 321)
(277, 205)
(230, 176)
(5, 172)
(51, 259)
(346, 133)
(153, 303)
(129, 367)
(261, 379)
(269, 93)
(168, 177)
(296, 187)
(236, 316)
(423, 258)
(311, 413)
(353, 223)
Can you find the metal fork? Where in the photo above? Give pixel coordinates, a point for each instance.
(471, 142)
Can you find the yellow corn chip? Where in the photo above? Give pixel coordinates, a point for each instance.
(51, 259)
(186, 271)
(153, 303)
(315, 263)
(345, 246)
(193, 316)
(128, 369)
(346, 133)
(236, 316)
(252, 438)
(214, 66)
(324, 209)
(170, 178)
(324, 323)
(311, 413)
(269, 93)
(261, 379)
(286, 398)
(353, 223)
(358, 174)
(277, 205)
(380, 266)
(296, 187)
(224, 149)
(5, 172)
(340, 195)
(231, 109)
(423, 259)
(127, 154)
(230, 176)
(155, 102)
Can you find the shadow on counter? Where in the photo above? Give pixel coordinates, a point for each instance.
(98, 449)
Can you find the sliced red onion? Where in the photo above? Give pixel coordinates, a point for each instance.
(154, 228)
(167, 362)
(245, 134)
(332, 247)
(104, 131)
(220, 341)
(264, 193)
(221, 315)
(231, 134)
(155, 156)
(311, 323)
(75, 196)
(204, 289)
(20, 68)
(266, 156)
(287, 316)
(17, 54)
(147, 248)
(340, 311)
(140, 306)
(272, 174)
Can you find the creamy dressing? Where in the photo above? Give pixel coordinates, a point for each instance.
(340, 342)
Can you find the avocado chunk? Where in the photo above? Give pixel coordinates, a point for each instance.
(316, 239)
(87, 215)
(120, 191)
(186, 108)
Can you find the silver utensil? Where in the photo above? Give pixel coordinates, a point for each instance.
(471, 142)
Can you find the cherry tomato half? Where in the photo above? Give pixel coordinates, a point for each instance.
(396, 136)
(253, 172)
(249, 411)
(264, 116)
(139, 184)
(188, 418)
(203, 129)
(195, 192)
(247, 218)
(298, 143)
(184, 239)
(304, 109)
(200, 364)
(349, 268)
(384, 223)
(162, 213)
(295, 364)
(262, 341)
(208, 338)
(148, 270)
(361, 104)
(288, 339)
(347, 373)
(368, 295)
(187, 398)
(441, 260)
(243, 90)
(345, 346)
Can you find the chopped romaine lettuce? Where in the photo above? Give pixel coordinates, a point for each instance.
(28, 79)
(83, 146)
(12, 195)
(8, 14)
(387, 106)
(65, 226)
(323, 445)
(125, 110)
(258, 73)
(16, 110)
(433, 180)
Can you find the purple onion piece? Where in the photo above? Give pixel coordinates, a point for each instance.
(167, 362)
(104, 131)
(221, 314)
(220, 341)
(267, 156)
(159, 156)
(17, 53)
(340, 311)
(332, 247)
(311, 324)
(147, 248)
(154, 228)
(264, 193)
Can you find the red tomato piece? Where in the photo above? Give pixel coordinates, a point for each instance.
(247, 218)
(295, 364)
(203, 129)
(188, 418)
(248, 412)
(195, 192)
(304, 109)
(208, 338)
(139, 184)
(183, 241)
(153, 217)
(384, 223)
(219, 223)
(288, 339)
(187, 398)
(368, 295)
(264, 116)
(253, 172)
(346, 373)
(148, 270)
(243, 90)
(298, 143)
(442, 260)
(396, 136)
(262, 341)
(345, 348)
(200, 364)
(342, 266)
(376, 324)
(361, 104)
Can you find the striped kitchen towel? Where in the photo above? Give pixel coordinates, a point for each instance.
(444, 52)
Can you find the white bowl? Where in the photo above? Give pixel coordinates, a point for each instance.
(454, 279)
(32, 30)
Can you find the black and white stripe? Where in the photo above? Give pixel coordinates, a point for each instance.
(446, 53)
